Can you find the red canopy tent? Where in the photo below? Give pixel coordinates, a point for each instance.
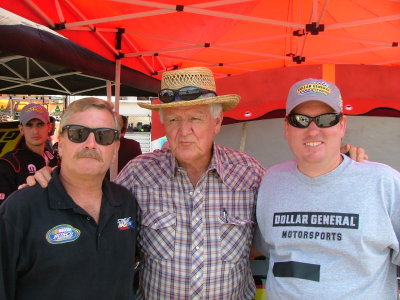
(255, 48)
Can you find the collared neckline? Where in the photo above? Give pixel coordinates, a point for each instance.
(64, 201)
(215, 163)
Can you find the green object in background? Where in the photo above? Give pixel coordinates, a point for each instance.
(261, 294)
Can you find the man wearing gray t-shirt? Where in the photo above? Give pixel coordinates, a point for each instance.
(330, 225)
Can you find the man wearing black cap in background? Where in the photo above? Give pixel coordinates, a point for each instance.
(31, 155)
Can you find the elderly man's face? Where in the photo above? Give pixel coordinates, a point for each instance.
(314, 146)
(88, 157)
(190, 132)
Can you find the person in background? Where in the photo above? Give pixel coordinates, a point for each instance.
(76, 238)
(31, 154)
(49, 142)
(128, 148)
(330, 225)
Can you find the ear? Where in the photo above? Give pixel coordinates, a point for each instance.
(218, 122)
(60, 144)
(343, 126)
(116, 148)
(21, 129)
(286, 128)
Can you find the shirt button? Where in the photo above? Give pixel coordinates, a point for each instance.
(197, 219)
(197, 248)
(198, 276)
(88, 218)
(191, 193)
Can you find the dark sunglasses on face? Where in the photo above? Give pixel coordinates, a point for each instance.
(79, 134)
(322, 121)
(184, 93)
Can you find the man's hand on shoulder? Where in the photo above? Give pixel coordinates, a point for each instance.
(41, 176)
(355, 153)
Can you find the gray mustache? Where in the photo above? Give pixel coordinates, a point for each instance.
(86, 153)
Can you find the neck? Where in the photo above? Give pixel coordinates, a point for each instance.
(37, 149)
(195, 169)
(318, 169)
(85, 191)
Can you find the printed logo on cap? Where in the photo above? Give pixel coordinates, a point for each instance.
(61, 234)
(37, 109)
(317, 87)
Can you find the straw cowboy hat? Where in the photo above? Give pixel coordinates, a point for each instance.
(199, 77)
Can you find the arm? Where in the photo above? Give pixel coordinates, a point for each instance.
(8, 181)
(9, 252)
(259, 247)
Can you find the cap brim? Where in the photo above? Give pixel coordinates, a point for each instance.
(228, 102)
(27, 120)
(289, 109)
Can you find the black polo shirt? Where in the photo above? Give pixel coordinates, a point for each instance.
(52, 249)
(18, 164)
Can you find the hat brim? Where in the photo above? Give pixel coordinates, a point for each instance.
(27, 119)
(228, 102)
(292, 106)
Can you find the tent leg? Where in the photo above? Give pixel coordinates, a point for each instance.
(109, 91)
(243, 137)
(114, 165)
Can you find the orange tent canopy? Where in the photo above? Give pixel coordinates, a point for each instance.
(255, 48)
(230, 36)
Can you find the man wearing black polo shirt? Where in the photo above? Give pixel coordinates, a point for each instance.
(76, 238)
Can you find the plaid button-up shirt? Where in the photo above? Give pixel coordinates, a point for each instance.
(195, 241)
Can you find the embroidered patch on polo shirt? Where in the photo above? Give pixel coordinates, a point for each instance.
(125, 223)
(63, 233)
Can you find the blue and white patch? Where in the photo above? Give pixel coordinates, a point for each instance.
(61, 234)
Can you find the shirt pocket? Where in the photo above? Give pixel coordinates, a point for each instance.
(158, 234)
(235, 233)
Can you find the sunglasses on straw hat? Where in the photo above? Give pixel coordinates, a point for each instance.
(196, 84)
(184, 93)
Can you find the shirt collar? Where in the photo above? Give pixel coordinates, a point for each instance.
(216, 163)
(59, 198)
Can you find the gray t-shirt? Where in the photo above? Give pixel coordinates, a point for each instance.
(335, 236)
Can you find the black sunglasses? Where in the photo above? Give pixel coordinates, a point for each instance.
(322, 121)
(79, 134)
(184, 93)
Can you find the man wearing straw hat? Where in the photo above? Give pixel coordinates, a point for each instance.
(197, 199)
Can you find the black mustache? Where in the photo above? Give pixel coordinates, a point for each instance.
(86, 153)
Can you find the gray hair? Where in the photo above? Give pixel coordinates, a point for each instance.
(85, 104)
(215, 109)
